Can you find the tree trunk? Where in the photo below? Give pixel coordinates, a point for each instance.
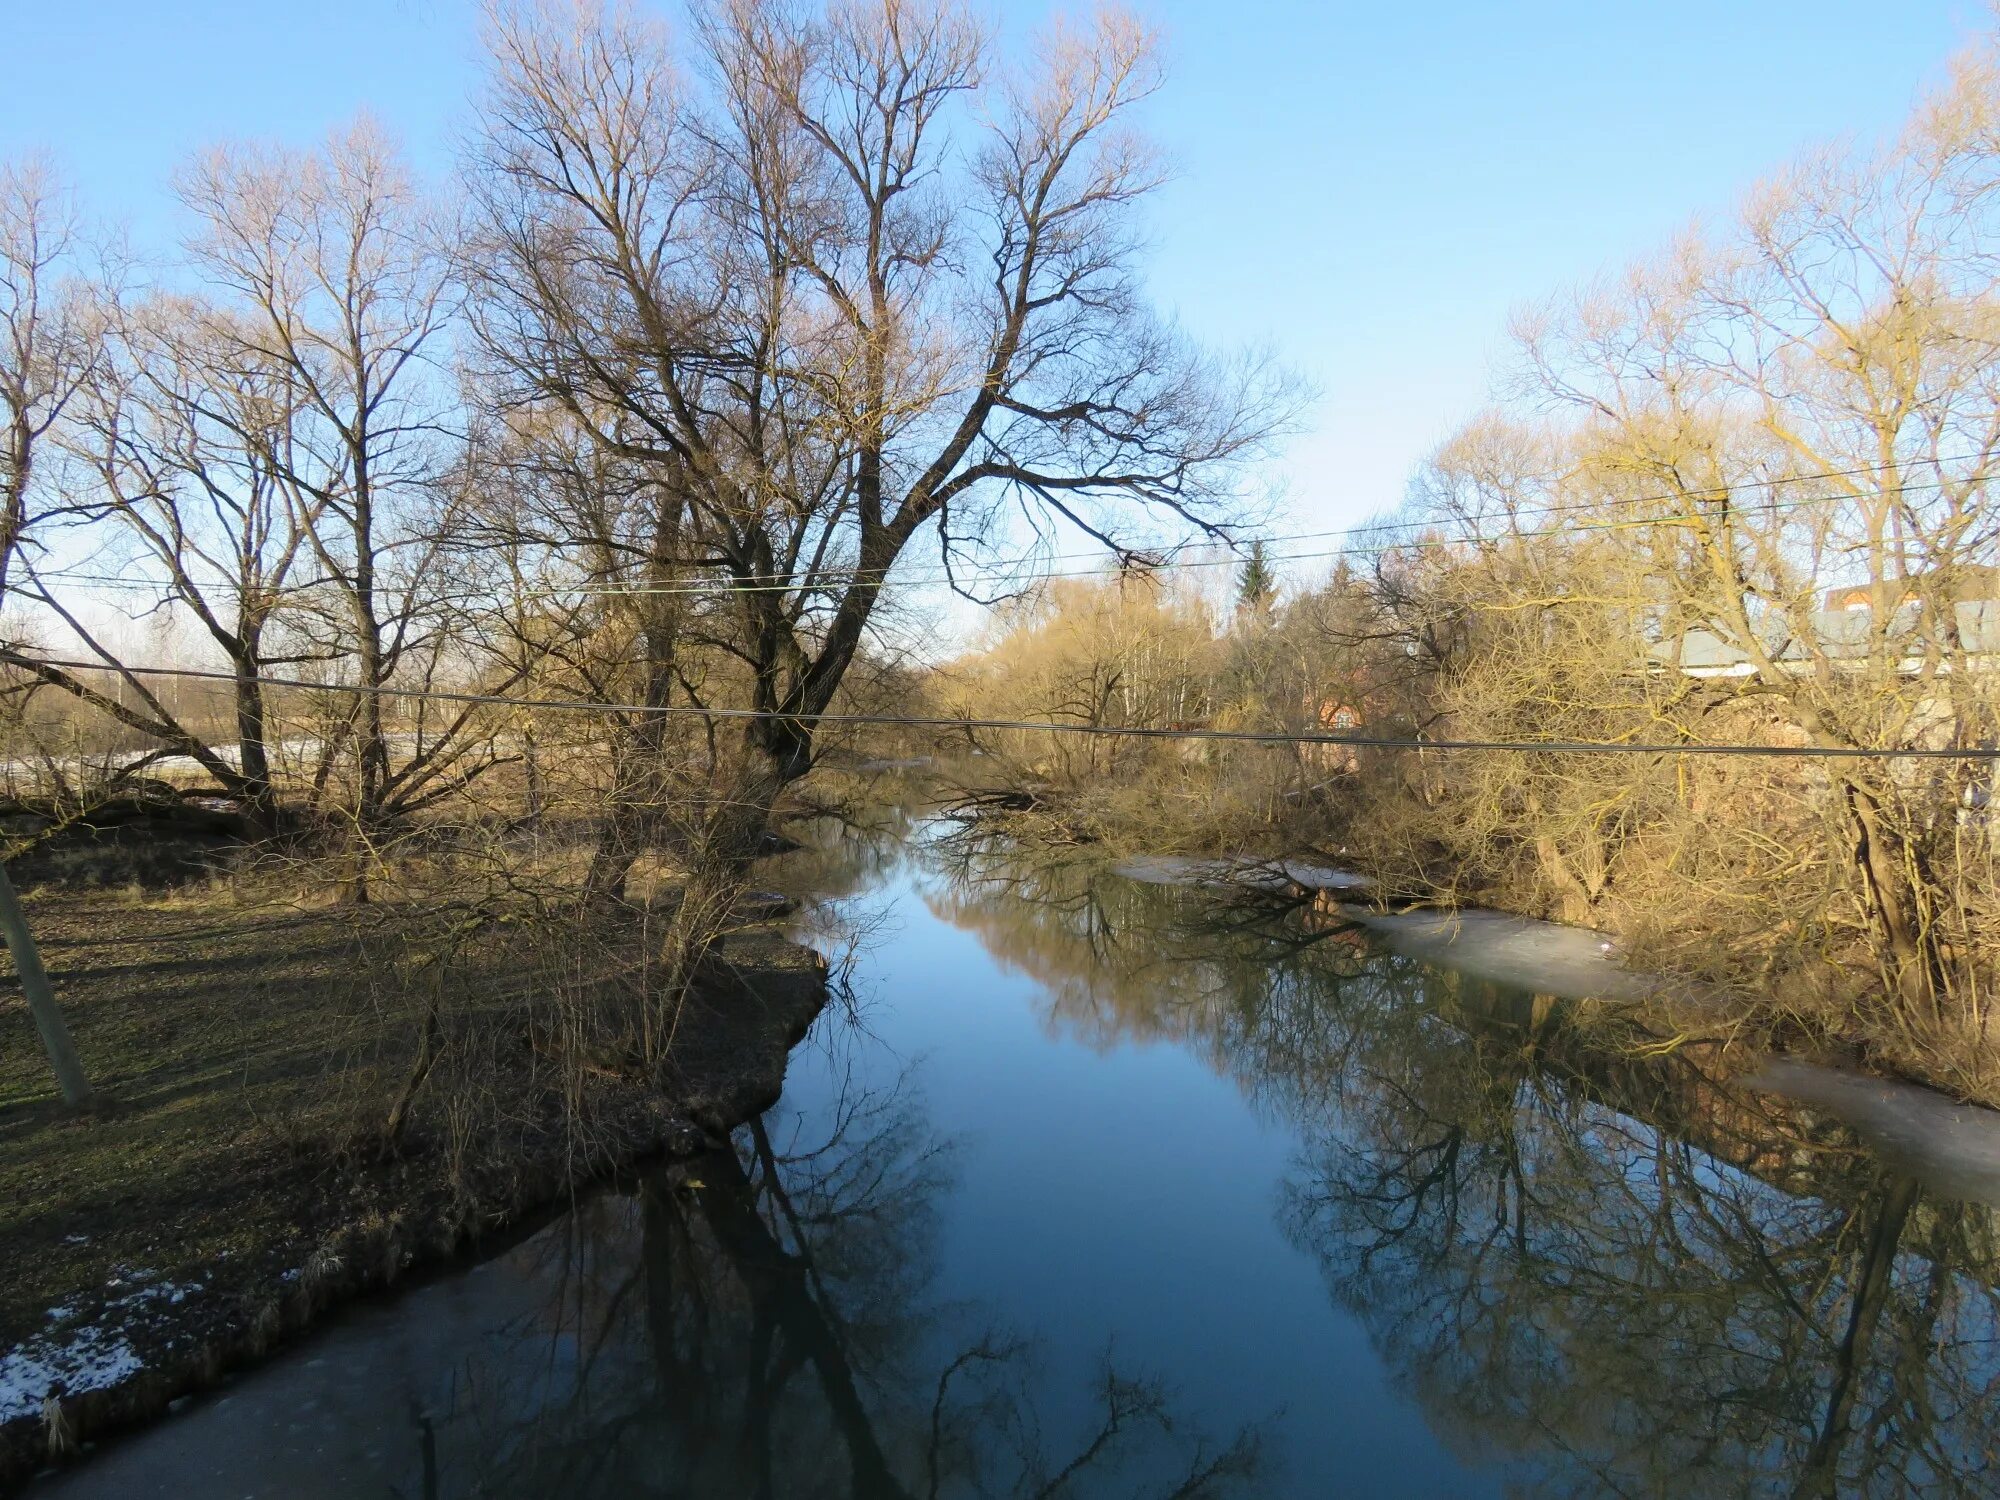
(372, 745)
(531, 771)
(41, 997)
(611, 861)
(1572, 895)
(14, 493)
(253, 756)
(720, 853)
(632, 822)
(1907, 953)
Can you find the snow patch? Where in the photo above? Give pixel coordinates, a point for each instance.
(89, 1359)
(78, 1357)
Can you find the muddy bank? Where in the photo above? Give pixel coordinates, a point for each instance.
(137, 1317)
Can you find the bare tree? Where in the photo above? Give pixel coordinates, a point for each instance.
(1813, 403)
(1742, 494)
(183, 442)
(856, 282)
(601, 612)
(46, 347)
(336, 269)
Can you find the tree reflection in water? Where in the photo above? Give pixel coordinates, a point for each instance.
(758, 1321)
(1619, 1276)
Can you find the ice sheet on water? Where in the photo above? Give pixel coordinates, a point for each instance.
(1952, 1148)
(1178, 869)
(1317, 877)
(1543, 957)
(1173, 869)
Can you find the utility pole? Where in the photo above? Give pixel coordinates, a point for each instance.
(41, 997)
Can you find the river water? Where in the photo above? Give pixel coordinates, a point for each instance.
(1095, 1187)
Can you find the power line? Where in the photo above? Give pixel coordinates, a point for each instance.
(1022, 573)
(1706, 492)
(1242, 736)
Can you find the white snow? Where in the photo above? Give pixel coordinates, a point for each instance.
(87, 1360)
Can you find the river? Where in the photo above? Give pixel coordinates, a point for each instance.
(1095, 1187)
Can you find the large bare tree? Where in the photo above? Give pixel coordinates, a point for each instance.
(182, 443)
(46, 342)
(825, 278)
(335, 267)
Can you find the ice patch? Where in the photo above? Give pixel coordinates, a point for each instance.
(1951, 1147)
(1541, 957)
(1322, 877)
(1269, 875)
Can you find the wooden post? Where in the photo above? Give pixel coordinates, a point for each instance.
(41, 997)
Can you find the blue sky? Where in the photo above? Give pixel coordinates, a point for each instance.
(1370, 188)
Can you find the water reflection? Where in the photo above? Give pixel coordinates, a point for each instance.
(1613, 1275)
(1553, 1278)
(758, 1321)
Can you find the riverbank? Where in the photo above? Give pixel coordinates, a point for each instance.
(1949, 1145)
(1782, 989)
(240, 1175)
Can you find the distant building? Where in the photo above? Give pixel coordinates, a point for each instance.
(1335, 717)
(1844, 634)
(1844, 630)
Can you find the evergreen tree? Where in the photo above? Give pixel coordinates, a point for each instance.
(1258, 585)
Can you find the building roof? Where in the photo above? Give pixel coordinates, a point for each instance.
(1838, 635)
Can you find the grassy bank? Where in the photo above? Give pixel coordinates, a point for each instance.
(298, 1104)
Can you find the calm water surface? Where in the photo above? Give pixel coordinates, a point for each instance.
(1102, 1189)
